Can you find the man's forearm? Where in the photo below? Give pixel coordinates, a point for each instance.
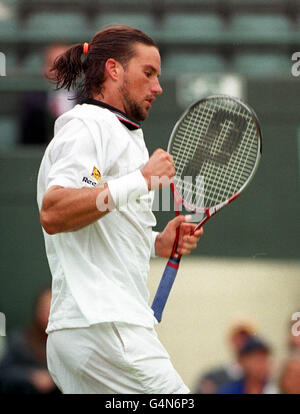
(69, 209)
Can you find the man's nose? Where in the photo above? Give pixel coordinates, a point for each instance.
(157, 89)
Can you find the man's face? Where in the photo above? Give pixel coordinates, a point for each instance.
(257, 364)
(290, 382)
(140, 82)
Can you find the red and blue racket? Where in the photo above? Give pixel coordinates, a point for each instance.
(216, 146)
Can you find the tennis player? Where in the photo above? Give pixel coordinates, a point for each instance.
(95, 192)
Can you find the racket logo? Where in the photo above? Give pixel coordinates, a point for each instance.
(223, 137)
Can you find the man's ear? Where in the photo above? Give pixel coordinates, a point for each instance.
(113, 68)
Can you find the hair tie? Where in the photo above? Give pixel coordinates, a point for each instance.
(85, 48)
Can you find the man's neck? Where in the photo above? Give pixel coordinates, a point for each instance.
(124, 118)
(112, 100)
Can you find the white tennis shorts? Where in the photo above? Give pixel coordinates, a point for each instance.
(111, 358)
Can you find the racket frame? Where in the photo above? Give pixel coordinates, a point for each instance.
(174, 260)
(212, 210)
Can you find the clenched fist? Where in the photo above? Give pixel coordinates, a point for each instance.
(159, 170)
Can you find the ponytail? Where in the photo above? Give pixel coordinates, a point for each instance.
(67, 68)
(88, 75)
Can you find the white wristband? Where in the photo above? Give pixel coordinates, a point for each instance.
(153, 238)
(127, 188)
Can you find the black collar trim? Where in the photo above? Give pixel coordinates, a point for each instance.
(122, 117)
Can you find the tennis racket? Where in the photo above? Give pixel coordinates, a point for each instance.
(216, 146)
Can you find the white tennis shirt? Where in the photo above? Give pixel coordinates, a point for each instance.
(99, 273)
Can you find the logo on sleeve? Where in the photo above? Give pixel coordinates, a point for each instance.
(96, 174)
(88, 181)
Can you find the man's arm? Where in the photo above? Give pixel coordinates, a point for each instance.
(68, 209)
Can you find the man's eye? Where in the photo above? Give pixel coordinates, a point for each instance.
(148, 74)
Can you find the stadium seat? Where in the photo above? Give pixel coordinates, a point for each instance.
(8, 132)
(180, 63)
(141, 21)
(193, 27)
(260, 28)
(51, 26)
(116, 3)
(296, 31)
(261, 64)
(168, 4)
(8, 28)
(251, 3)
(33, 64)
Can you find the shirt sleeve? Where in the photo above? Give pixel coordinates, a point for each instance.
(74, 158)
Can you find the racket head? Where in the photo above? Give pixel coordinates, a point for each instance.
(216, 145)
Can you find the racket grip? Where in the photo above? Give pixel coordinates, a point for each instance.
(165, 287)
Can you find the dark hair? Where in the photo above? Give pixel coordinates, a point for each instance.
(254, 344)
(86, 76)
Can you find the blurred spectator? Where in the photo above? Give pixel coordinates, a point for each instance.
(289, 382)
(39, 109)
(23, 367)
(211, 381)
(254, 358)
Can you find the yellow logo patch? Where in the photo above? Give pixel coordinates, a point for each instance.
(96, 174)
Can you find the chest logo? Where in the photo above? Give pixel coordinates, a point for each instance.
(96, 174)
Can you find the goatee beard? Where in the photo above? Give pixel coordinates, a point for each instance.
(132, 108)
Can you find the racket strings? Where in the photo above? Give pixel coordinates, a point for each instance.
(237, 172)
(216, 140)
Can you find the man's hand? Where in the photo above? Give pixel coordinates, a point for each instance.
(159, 170)
(165, 240)
(42, 381)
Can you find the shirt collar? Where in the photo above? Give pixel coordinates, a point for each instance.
(122, 117)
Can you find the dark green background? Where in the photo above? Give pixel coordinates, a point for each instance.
(262, 223)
